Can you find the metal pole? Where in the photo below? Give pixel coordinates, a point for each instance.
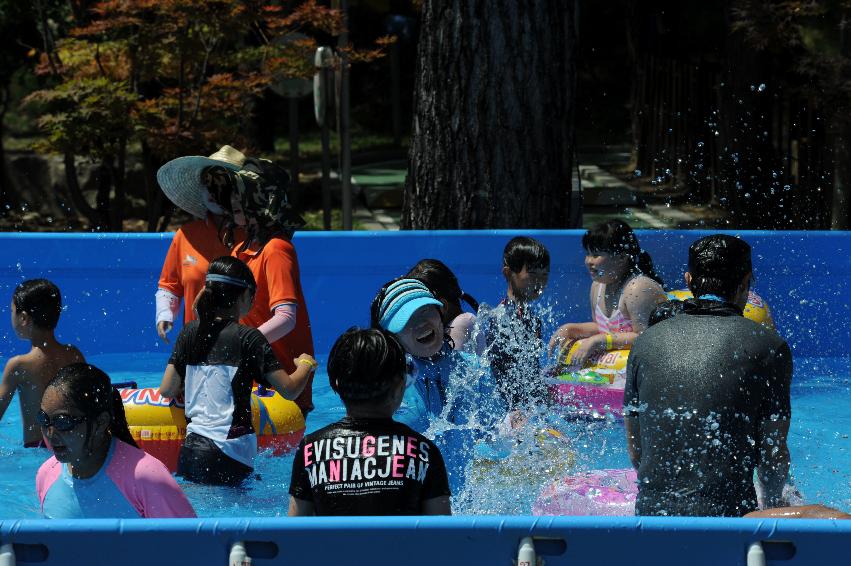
(295, 165)
(394, 93)
(325, 78)
(345, 134)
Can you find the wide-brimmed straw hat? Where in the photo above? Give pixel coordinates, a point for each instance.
(181, 178)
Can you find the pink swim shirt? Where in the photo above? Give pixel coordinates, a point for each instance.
(131, 484)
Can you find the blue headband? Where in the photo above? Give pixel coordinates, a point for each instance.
(215, 277)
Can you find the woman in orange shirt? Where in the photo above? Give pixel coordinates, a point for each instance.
(187, 184)
(269, 221)
(253, 203)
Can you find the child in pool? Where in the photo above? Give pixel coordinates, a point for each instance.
(624, 291)
(447, 384)
(443, 283)
(513, 334)
(96, 470)
(367, 463)
(214, 363)
(408, 308)
(36, 305)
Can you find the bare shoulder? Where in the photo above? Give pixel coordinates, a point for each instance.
(644, 284)
(73, 355)
(16, 368)
(594, 290)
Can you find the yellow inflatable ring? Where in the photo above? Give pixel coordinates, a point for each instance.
(552, 456)
(756, 309)
(596, 388)
(158, 424)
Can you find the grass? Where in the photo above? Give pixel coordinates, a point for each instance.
(314, 220)
(310, 144)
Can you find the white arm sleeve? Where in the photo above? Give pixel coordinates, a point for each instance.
(280, 324)
(167, 305)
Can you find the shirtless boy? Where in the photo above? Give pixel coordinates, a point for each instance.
(36, 305)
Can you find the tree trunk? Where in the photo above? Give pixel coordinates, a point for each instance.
(153, 194)
(8, 194)
(492, 141)
(840, 213)
(76, 193)
(118, 171)
(748, 157)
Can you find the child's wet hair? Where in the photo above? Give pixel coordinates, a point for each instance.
(224, 294)
(89, 390)
(442, 282)
(219, 294)
(615, 237)
(524, 251)
(365, 364)
(41, 300)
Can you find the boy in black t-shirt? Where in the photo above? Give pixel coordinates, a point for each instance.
(367, 463)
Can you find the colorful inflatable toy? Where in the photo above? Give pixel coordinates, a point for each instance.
(508, 460)
(596, 388)
(756, 309)
(598, 492)
(158, 424)
(612, 493)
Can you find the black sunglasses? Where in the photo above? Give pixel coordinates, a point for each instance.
(62, 423)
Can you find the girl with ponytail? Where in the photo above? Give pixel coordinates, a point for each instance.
(624, 290)
(97, 471)
(444, 285)
(214, 365)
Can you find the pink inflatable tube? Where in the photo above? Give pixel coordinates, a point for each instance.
(589, 399)
(612, 493)
(598, 492)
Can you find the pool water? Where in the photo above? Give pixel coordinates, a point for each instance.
(819, 443)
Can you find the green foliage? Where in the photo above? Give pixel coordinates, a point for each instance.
(811, 37)
(175, 77)
(85, 116)
(178, 75)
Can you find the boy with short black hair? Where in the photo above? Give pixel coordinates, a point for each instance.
(36, 306)
(367, 463)
(513, 338)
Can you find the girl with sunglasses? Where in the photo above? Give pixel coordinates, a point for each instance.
(96, 470)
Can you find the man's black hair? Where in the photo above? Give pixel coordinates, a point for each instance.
(717, 264)
(41, 300)
(365, 364)
(524, 251)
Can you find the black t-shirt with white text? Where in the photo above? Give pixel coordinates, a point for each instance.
(367, 467)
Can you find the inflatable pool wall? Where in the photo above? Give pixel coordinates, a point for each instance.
(108, 283)
(108, 280)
